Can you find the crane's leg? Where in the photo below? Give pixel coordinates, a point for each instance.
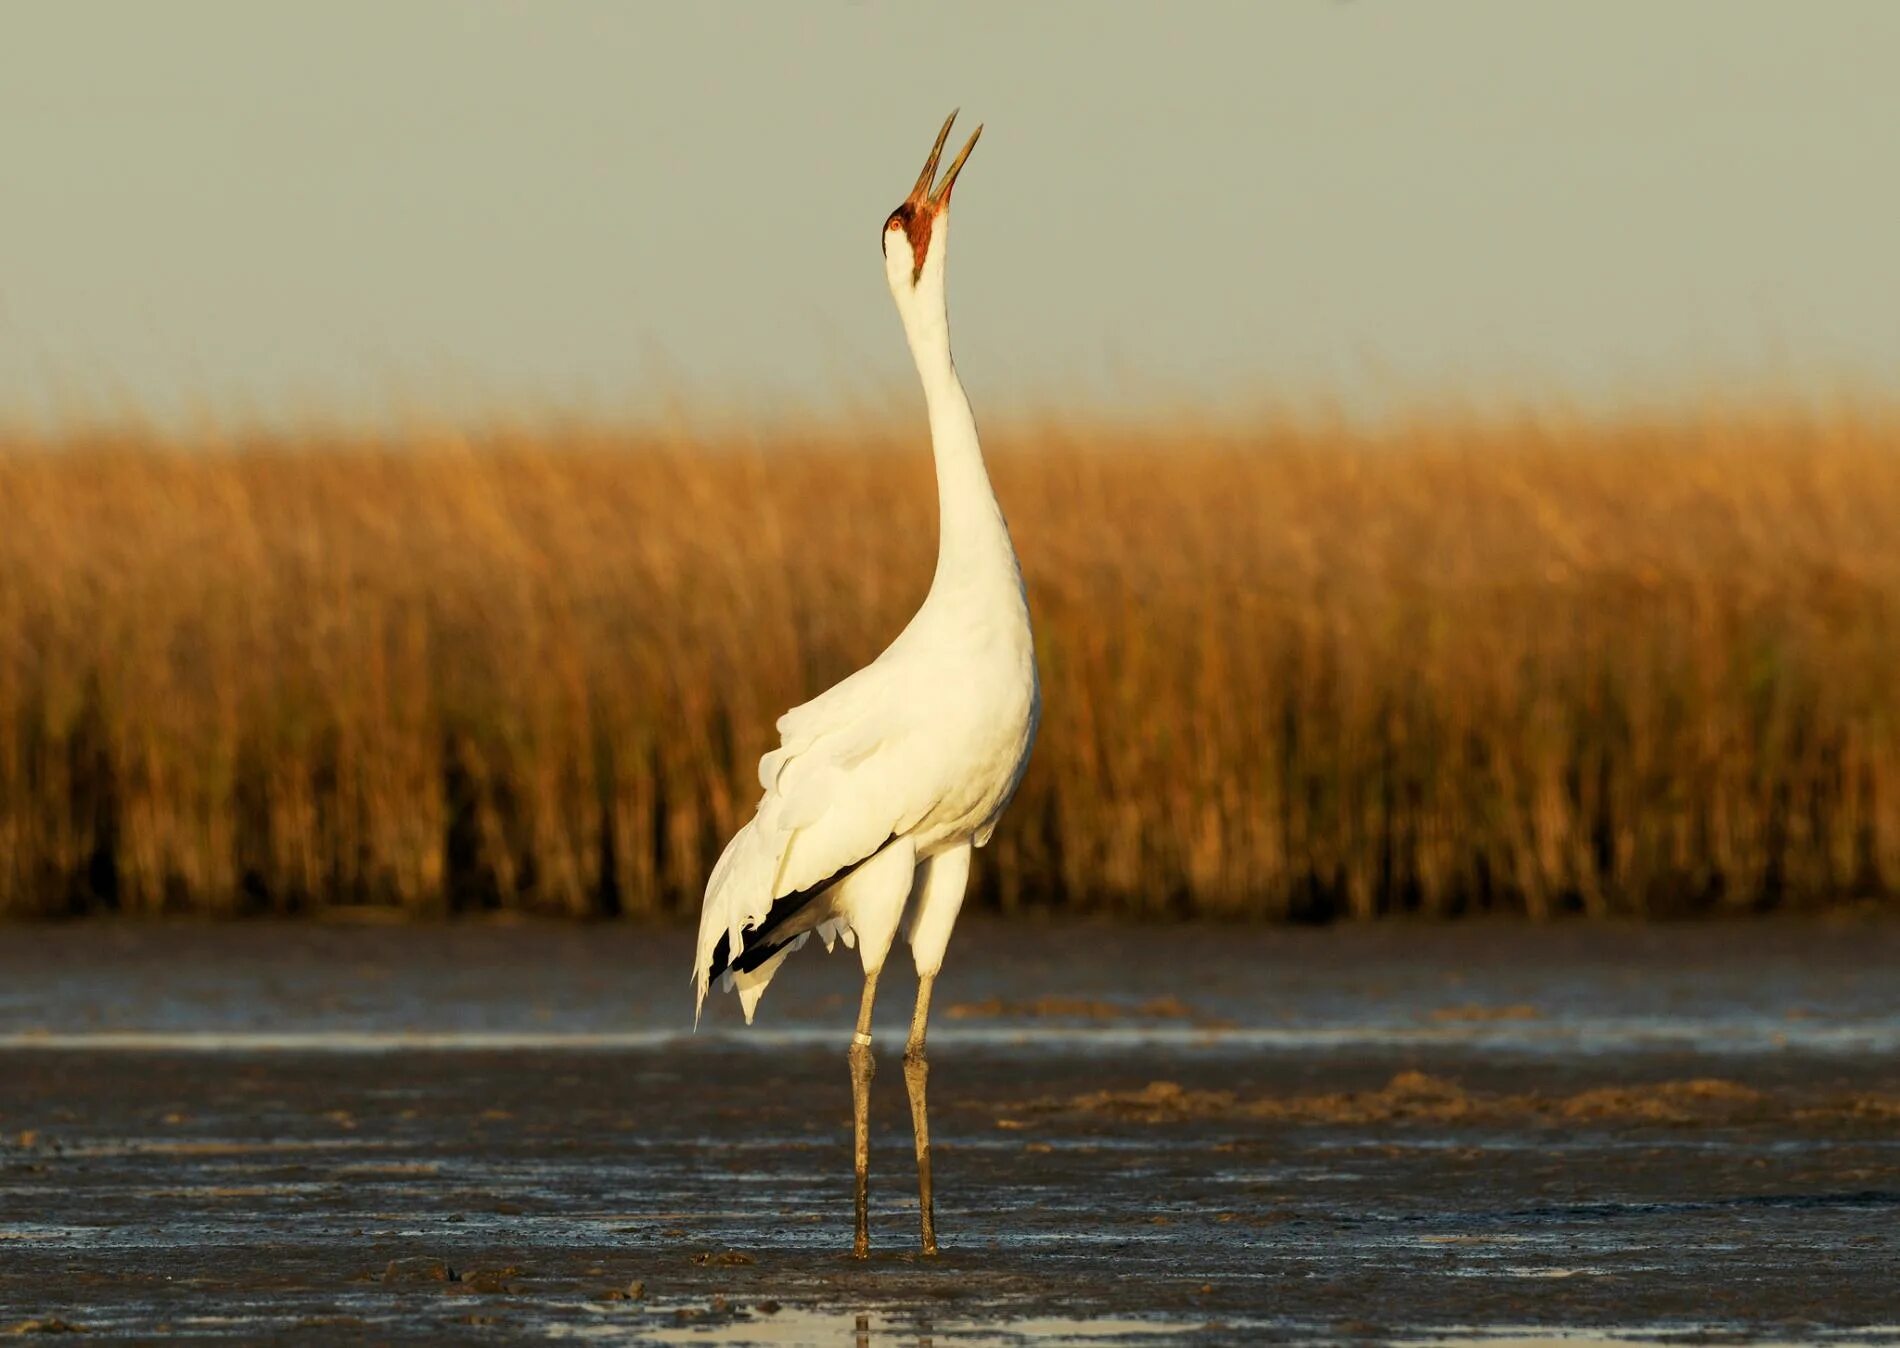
(916, 1077)
(861, 1069)
(871, 899)
(933, 912)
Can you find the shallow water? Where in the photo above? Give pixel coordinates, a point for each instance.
(1446, 1135)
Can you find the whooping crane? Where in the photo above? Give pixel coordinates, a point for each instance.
(881, 786)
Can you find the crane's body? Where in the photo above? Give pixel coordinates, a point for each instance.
(883, 785)
(915, 754)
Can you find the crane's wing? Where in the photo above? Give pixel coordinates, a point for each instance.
(845, 779)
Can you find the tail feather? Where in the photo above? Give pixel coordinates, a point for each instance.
(737, 903)
(737, 896)
(750, 981)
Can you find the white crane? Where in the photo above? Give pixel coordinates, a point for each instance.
(881, 786)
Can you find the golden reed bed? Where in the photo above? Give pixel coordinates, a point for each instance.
(1635, 666)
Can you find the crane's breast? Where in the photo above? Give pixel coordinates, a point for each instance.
(984, 731)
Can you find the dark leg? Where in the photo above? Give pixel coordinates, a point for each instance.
(916, 1076)
(861, 1116)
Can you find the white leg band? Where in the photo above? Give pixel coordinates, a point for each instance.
(861, 1038)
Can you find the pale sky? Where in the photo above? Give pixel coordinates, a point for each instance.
(367, 207)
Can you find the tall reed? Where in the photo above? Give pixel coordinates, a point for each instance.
(1531, 664)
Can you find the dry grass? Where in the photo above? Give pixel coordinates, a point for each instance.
(1642, 666)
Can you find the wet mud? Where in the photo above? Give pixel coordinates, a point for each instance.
(470, 1136)
(1416, 1097)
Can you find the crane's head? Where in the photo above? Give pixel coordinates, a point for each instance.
(916, 232)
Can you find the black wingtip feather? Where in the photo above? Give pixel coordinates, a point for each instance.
(762, 947)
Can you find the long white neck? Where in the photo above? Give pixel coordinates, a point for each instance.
(973, 547)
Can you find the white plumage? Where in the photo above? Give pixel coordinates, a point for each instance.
(882, 785)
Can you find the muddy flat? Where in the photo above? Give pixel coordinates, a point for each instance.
(1477, 1134)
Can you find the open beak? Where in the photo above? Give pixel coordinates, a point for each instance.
(921, 195)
